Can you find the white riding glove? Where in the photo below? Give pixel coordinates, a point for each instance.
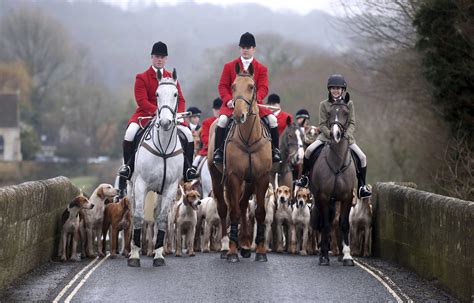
(230, 103)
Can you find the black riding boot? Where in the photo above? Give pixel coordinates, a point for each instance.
(275, 144)
(127, 168)
(304, 180)
(219, 145)
(363, 191)
(189, 172)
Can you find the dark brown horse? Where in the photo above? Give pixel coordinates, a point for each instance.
(292, 153)
(332, 179)
(246, 171)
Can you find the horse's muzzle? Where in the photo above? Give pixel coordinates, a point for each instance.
(165, 124)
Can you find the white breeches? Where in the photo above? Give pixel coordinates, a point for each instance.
(354, 147)
(270, 119)
(131, 131)
(133, 128)
(360, 154)
(197, 159)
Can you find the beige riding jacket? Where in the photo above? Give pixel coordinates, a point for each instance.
(325, 136)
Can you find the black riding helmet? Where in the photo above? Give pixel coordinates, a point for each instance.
(302, 113)
(194, 111)
(337, 80)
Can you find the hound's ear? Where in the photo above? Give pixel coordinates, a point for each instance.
(74, 202)
(195, 185)
(100, 192)
(175, 74)
(237, 68)
(288, 121)
(250, 69)
(347, 98)
(158, 74)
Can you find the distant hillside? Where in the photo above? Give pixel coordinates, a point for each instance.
(120, 41)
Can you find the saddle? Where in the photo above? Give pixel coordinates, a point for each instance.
(315, 155)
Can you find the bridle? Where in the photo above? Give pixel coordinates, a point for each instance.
(339, 124)
(172, 110)
(251, 101)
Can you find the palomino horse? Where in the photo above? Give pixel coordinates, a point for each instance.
(246, 170)
(158, 167)
(333, 178)
(292, 153)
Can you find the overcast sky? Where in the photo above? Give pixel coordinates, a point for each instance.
(296, 6)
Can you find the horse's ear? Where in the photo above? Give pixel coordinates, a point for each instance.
(347, 98)
(237, 68)
(159, 75)
(175, 74)
(250, 69)
(288, 121)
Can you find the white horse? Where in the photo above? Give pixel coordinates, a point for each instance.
(158, 168)
(206, 181)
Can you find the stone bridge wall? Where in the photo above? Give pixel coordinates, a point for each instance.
(30, 215)
(430, 234)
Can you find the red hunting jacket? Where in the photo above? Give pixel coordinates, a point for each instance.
(228, 75)
(281, 119)
(145, 95)
(205, 128)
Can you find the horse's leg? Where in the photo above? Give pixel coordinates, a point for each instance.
(325, 222)
(234, 192)
(218, 191)
(260, 214)
(163, 203)
(344, 227)
(245, 237)
(139, 194)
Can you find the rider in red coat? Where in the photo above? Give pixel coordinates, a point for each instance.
(205, 128)
(247, 49)
(146, 85)
(282, 116)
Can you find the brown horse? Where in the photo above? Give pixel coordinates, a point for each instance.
(246, 171)
(333, 178)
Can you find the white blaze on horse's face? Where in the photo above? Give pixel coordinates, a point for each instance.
(166, 99)
(300, 153)
(336, 130)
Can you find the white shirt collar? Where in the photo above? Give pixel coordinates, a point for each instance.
(246, 62)
(155, 69)
(276, 113)
(192, 126)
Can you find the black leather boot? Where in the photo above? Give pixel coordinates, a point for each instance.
(276, 158)
(304, 180)
(219, 145)
(127, 168)
(363, 190)
(189, 172)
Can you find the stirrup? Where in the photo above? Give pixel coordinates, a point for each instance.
(191, 174)
(364, 192)
(218, 156)
(276, 158)
(124, 171)
(303, 181)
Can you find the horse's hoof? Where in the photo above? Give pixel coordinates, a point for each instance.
(259, 257)
(245, 253)
(224, 254)
(323, 261)
(348, 262)
(233, 258)
(339, 258)
(133, 262)
(158, 262)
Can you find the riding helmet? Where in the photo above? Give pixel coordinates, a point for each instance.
(217, 103)
(247, 40)
(194, 111)
(337, 80)
(302, 113)
(273, 99)
(159, 49)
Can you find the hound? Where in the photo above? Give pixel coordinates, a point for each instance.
(70, 226)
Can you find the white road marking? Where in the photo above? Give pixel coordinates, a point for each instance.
(65, 289)
(385, 284)
(73, 293)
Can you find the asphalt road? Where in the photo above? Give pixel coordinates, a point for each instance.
(207, 278)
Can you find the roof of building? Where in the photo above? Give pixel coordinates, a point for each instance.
(8, 110)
